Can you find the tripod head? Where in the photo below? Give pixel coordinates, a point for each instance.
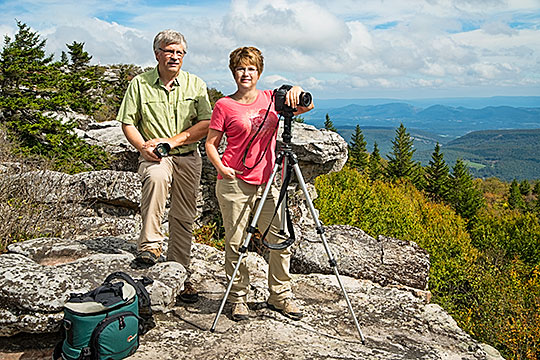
(287, 126)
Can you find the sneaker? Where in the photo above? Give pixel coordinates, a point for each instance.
(149, 257)
(240, 311)
(189, 294)
(287, 307)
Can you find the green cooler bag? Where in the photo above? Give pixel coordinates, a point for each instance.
(102, 324)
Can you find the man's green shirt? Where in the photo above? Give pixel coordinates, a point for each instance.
(157, 112)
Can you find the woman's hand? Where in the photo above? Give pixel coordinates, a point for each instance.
(293, 99)
(227, 172)
(293, 96)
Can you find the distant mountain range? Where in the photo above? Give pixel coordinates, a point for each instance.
(501, 141)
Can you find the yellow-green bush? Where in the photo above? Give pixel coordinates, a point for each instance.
(488, 279)
(400, 210)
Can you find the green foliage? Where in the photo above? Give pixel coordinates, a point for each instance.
(210, 234)
(328, 124)
(437, 180)
(515, 199)
(400, 162)
(358, 155)
(80, 59)
(524, 187)
(401, 211)
(32, 84)
(375, 166)
(214, 95)
(506, 235)
(23, 62)
(464, 197)
(52, 139)
(485, 272)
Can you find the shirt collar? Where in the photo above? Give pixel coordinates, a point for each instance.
(157, 81)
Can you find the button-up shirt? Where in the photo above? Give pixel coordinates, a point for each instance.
(159, 113)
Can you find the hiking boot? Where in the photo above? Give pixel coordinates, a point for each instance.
(287, 307)
(189, 294)
(149, 257)
(240, 311)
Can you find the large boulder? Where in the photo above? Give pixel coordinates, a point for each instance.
(384, 260)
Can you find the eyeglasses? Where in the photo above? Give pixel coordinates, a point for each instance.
(170, 53)
(249, 69)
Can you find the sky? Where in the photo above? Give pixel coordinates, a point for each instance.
(334, 49)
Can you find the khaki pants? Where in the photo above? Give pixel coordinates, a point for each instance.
(179, 175)
(237, 201)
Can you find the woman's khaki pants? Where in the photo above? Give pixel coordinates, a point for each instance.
(238, 200)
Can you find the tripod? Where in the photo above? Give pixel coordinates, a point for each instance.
(290, 162)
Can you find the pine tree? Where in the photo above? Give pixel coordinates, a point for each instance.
(515, 199)
(536, 188)
(23, 62)
(400, 163)
(80, 59)
(524, 188)
(358, 155)
(436, 176)
(329, 125)
(464, 197)
(375, 166)
(64, 58)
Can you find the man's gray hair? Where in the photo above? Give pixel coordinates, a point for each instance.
(166, 37)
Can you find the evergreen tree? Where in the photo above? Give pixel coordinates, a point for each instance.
(64, 58)
(23, 62)
(515, 199)
(375, 167)
(524, 188)
(536, 188)
(464, 197)
(328, 124)
(400, 163)
(80, 59)
(298, 119)
(358, 155)
(436, 176)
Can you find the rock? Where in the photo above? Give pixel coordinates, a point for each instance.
(386, 261)
(319, 151)
(38, 275)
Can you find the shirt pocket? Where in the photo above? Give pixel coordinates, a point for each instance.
(153, 110)
(186, 111)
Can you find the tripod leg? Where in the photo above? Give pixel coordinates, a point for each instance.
(243, 248)
(320, 231)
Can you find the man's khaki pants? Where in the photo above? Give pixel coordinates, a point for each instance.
(237, 201)
(181, 176)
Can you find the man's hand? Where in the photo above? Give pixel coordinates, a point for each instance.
(147, 149)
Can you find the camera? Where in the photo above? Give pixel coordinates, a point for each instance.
(279, 99)
(162, 150)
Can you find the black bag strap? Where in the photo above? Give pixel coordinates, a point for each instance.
(139, 285)
(107, 294)
(282, 195)
(145, 308)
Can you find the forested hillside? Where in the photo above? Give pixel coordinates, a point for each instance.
(505, 154)
(483, 236)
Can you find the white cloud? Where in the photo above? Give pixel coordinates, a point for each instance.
(343, 47)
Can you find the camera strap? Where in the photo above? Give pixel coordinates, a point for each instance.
(282, 195)
(254, 137)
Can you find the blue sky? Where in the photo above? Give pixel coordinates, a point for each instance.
(334, 49)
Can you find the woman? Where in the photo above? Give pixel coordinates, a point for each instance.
(250, 122)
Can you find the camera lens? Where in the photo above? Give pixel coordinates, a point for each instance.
(305, 99)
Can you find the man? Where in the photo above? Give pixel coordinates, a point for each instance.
(167, 106)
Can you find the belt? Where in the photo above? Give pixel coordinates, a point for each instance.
(189, 153)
